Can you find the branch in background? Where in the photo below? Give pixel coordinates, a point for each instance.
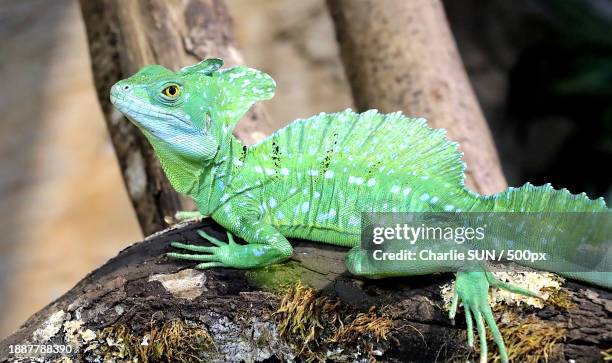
(126, 35)
(401, 55)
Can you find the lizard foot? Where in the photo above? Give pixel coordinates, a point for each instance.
(212, 255)
(472, 288)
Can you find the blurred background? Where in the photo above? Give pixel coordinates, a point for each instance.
(542, 71)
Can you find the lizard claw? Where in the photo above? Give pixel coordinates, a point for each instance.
(211, 256)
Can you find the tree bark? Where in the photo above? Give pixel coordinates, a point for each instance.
(401, 55)
(126, 35)
(136, 295)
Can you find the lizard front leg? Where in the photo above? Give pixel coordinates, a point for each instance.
(266, 245)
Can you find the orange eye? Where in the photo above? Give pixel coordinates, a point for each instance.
(171, 91)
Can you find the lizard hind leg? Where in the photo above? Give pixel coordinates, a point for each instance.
(472, 289)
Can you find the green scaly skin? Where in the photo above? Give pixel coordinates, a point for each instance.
(314, 178)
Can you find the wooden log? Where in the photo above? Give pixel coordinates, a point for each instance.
(401, 56)
(126, 35)
(142, 304)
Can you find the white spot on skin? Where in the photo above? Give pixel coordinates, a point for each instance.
(259, 169)
(449, 208)
(328, 215)
(353, 221)
(395, 189)
(313, 172)
(270, 171)
(272, 202)
(329, 174)
(424, 197)
(371, 182)
(284, 171)
(305, 207)
(280, 215)
(434, 199)
(355, 180)
(259, 252)
(292, 191)
(316, 195)
(406, 191)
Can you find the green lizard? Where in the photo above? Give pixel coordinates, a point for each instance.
(313, 178)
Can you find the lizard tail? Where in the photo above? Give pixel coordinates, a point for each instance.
(574, 231)
(531, 198)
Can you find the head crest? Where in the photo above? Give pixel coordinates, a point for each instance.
(207, 67)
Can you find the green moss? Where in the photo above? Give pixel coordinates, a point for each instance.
(560, 298)
(277, 277)
(172, 341)
(529, 340)
(369, 323)
(307, 320)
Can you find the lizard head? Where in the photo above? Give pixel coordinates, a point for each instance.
(186, 115)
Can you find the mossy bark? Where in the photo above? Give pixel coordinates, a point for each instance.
(232, 315)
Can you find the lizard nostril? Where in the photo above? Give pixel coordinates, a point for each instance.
(126, 87)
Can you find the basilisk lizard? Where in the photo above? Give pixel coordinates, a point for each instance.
(313, 178)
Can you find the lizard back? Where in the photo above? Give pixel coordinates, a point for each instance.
(320, 173)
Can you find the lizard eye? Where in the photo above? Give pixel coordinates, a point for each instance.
(171, 92)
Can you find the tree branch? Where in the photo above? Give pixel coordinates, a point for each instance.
(401, 56)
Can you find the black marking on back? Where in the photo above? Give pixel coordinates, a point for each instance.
(276, 156)
(329, 153)
(243, 153)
